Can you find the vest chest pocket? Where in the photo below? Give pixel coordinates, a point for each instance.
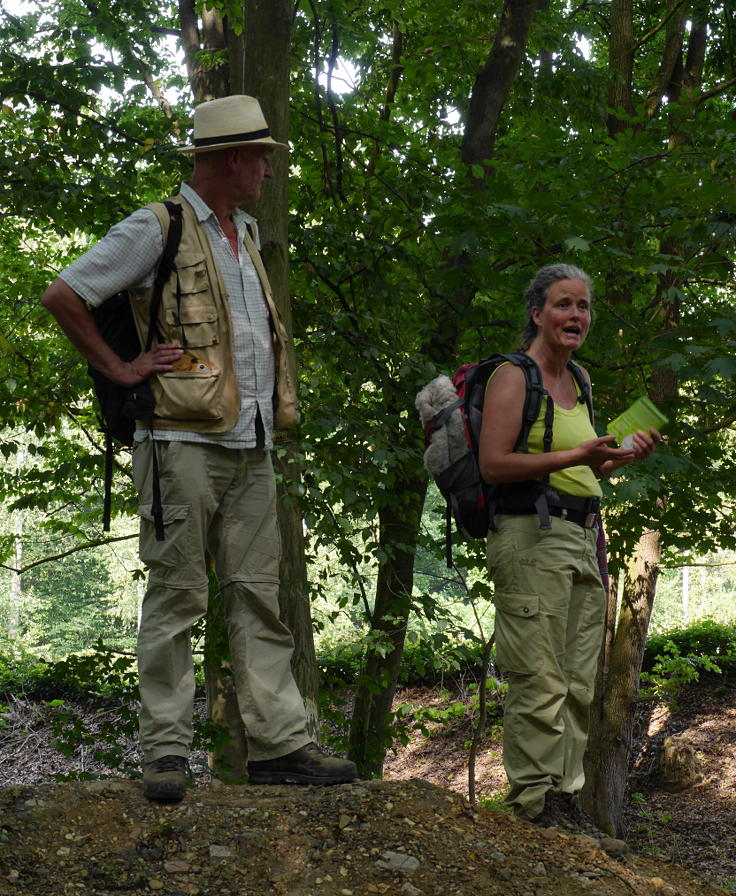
(194, 324)
(191, 317)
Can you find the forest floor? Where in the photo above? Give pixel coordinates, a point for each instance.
(412, 833)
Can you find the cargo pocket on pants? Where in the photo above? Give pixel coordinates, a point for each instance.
(176, 549)
(518, 633)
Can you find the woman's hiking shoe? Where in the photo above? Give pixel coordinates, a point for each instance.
(304, 766)
(165, 779)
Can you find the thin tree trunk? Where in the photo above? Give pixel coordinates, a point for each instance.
(621, 66)
(685, 596)
(266, 61)
(294, 591)
(16, 579)
(399, 527)
(258, 47)
(612, 726)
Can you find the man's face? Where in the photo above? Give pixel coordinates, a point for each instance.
(253, 164)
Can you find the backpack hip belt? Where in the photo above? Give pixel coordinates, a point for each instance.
(576, 509)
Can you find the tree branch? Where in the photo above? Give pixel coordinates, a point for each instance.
(80, 547)
(657, 28)
(714, 91)
(334, 52)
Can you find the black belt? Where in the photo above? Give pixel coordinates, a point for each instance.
(586, 520)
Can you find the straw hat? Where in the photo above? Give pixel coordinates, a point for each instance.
(230, 121)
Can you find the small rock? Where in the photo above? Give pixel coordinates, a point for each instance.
(505, 874)
(177, 866)
(499, 857)
(155, 884)
(613, 847)
(398, 861)
(220, 852)
(539, 870)
(410, 889)
(250, 840)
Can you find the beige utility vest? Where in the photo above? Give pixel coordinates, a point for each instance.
(202, 395)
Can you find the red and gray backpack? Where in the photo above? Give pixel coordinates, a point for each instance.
(451, 411)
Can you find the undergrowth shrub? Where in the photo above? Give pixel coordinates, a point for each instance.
(676, 658)
(106, 681)
(705, 638)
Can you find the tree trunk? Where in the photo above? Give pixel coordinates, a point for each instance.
(228, 753)
(493, 83)
(621, 66)
(685, 596)
(399, 527)
(258, 49)
(294, 591)
(612, 726)
(16, 579)
(265, 71)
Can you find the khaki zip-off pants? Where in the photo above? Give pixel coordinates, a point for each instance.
(550, 610)
(219, 505)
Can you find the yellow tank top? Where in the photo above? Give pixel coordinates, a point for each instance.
(569, 429)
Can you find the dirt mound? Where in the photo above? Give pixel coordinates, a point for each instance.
(411, 837)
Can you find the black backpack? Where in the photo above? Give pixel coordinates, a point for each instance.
(119, 406)
(451, 411)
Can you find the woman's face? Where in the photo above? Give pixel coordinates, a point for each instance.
(564, 320)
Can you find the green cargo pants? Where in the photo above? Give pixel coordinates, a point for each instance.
(550, 610)
(219, 506)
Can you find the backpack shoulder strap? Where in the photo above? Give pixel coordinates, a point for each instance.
(169, 215)
(584, 387)
(534, 392)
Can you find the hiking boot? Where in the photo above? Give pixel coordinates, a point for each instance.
(555, 812)
(165, 779)
(304, 766)
(562, 810)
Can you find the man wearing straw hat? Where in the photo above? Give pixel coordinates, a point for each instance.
(221, 381)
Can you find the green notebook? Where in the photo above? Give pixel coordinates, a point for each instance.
(643, 414)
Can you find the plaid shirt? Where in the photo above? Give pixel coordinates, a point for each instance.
(126, 258)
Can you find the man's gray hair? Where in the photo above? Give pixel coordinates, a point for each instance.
(538, 289)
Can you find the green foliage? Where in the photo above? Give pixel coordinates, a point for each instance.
(677, 658)
(90, 701)
(21, 673)
(706, 640)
